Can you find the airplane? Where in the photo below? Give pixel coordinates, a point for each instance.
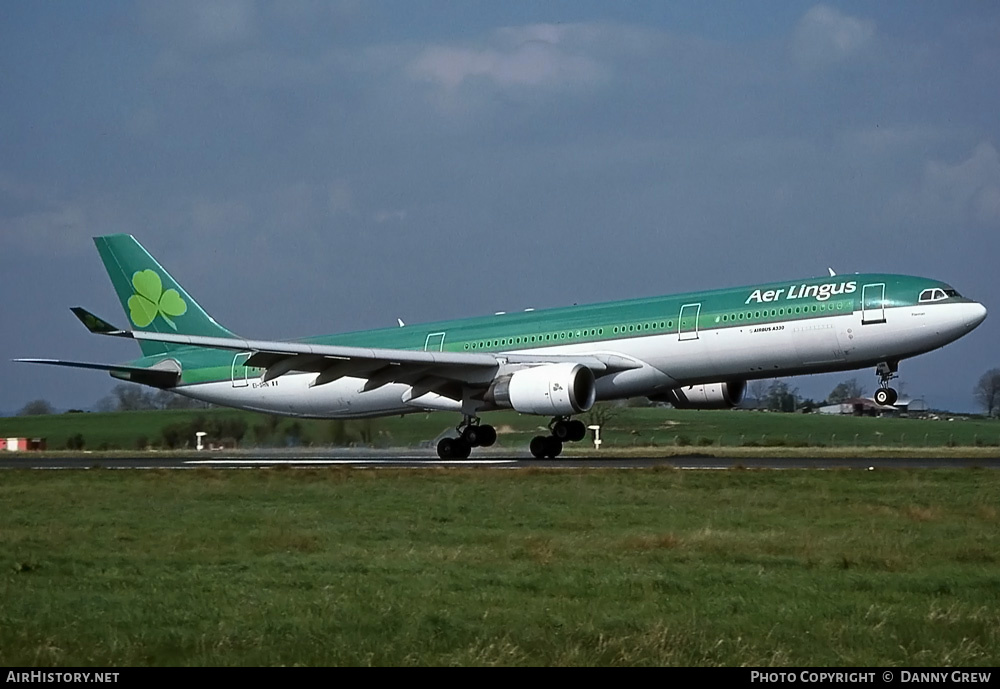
(695, 350)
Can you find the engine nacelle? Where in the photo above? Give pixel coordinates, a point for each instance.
(548, 390)
(710, 396)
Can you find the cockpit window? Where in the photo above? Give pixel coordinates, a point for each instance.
(952, 293)
(936, 294)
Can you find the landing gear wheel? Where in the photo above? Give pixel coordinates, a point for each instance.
(472, 435)
(487, 436)
(886, 371)
(479, 436)
(569, 431)
(562, 430)
(537, 446)
(446, 448)
(545, 446)
(886, 396)
(454, 448)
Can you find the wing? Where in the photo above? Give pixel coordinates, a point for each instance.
(421, 369)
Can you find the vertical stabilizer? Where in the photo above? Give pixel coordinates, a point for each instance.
(151, 298)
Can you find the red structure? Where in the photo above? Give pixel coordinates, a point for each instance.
(22, 444)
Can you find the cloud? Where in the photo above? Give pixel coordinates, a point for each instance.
(215, 217)
(953, 196)
(35, 220)
(824, 37)
(341, 198)
(62, 231)
(384, 216)
(312, 15)
(531, 56)
(203, 24)
(869, 141)
(968, 190)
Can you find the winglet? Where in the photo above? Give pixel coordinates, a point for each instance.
(95, 324)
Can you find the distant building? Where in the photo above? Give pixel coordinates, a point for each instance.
(917, 407)
(22, 444)
(858, 406)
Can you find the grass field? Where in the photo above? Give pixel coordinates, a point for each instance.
(629, 428)
(461, 567)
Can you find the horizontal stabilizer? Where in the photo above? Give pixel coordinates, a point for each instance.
(93, 323)
(156, 377)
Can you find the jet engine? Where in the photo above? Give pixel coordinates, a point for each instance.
(549, 390)
(709, 396)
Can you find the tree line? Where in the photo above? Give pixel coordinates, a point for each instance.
(776, 395)
(124, 397)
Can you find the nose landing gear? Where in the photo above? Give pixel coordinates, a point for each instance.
(886, 371)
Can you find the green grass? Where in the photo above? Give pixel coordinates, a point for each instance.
(630, 428)
(461, 567)
(763, 429)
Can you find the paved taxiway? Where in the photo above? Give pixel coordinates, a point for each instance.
(423, 459)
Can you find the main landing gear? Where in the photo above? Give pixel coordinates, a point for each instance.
(563, 430)
(886, 371)
(471, 434)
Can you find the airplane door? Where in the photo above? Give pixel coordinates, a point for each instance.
(687, 322)
(434, 342)
(873, 303)
(240, 372)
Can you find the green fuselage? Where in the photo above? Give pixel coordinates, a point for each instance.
(668, 322)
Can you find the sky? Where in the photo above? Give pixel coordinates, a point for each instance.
(308, 167)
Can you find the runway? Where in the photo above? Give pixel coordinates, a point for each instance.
(427, 459)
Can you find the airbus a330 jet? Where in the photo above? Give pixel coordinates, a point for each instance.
(694, 350)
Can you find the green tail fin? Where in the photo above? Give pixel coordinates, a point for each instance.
(152, 299)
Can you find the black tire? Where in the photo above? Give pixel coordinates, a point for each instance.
(561, 430)
(446, 448)
(578, 430)
(538, 446)
(487, 436)
(553, 447)
(473, 435)
(461, 449)
(885, 396)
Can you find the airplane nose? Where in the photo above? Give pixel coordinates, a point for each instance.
(976, 315)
